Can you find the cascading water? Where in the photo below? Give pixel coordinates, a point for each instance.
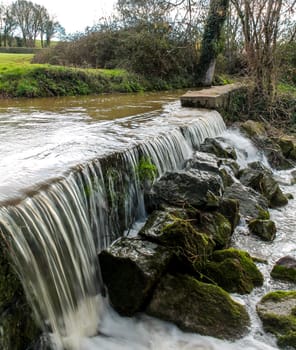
(55, 229)
(55, 234)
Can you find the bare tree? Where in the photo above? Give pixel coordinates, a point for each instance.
(261, 25)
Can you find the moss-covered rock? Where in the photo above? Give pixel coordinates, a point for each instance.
(261, 179)
(254, 129)
(287, 145)
(259, 133)
(17, 326)
(234, 271)
(288, 340)
(131, 268)
(285, 269)
(198, 307)
(278, 314)
(218, 227)
(179, 235)
(265, 229)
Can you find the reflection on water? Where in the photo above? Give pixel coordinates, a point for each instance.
(98, 107)
(41, 138)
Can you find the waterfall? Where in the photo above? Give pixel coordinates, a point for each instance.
(54, 235)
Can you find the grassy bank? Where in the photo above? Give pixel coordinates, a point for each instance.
(20, 78)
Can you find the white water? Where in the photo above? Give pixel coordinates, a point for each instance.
(145, 333)
(56, 232)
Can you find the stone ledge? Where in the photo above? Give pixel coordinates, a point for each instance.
(215, 97)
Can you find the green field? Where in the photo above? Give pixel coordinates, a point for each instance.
(12, 59)
(20, 78)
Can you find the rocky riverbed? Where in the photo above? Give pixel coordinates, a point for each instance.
(181, 267)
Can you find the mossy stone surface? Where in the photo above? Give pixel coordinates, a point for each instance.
(277, 311)
(253, 129)
(234, 271)
(285, 269)
(17, 326)
(286, 144)
(261, 179)
(169, 229)
(198, 307)
(218, 227)
(265, 229)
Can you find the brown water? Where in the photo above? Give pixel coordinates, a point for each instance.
(41, 138)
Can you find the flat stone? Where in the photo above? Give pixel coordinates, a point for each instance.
(214, 97)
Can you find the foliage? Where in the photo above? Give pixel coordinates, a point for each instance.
(29, 19)
(19, 78)
(145, 51)
(146, 170)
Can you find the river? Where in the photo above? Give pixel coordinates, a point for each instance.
(44, 141)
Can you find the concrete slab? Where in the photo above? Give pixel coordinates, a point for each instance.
(215, 97)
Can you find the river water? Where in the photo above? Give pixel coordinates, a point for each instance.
(44, 140)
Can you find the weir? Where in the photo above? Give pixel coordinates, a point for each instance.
(54, 236)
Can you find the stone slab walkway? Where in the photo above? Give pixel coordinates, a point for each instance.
(214, 97)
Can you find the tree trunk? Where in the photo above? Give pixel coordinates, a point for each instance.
(211, 44)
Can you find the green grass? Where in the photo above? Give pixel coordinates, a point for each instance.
(20, 78)
(12, 59)
(285, 88)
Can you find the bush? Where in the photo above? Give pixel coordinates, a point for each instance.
(144, 50)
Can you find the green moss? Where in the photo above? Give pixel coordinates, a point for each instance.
(288, 340)
(17, 326)
(283, 273)
(277, 312)
(263, 214)
(265, 229)
(218, 226)
(146, 170)
(198, 307)
(194, 246)
(234, 271)
(253, 129)
(278, 296)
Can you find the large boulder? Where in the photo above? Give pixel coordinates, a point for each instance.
(277, 313)
(130, 269)
(285, 269)
(174, 232)
(234, 271)
(198, 307)
(193, 187)
(265, 229)
(251, 203)
(261, 179)
(219, 147)
(17, 326)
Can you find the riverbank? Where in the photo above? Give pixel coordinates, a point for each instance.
(20, 78)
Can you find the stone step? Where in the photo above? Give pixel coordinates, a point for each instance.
(215, 97)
